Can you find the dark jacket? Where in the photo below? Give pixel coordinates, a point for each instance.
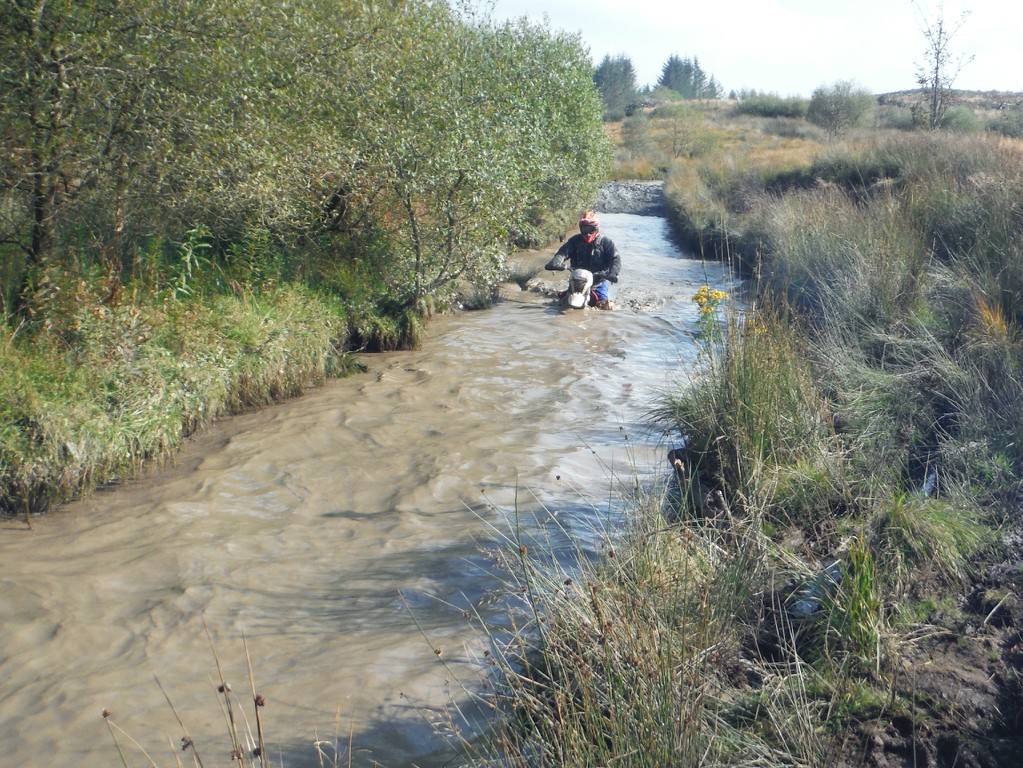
(601, 257)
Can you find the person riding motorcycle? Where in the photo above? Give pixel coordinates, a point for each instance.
(592, 250)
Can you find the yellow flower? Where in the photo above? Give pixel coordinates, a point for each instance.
(708, 299)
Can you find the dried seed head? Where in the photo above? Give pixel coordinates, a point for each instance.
(224, 688)
(260, 701)
(186, 743)
(106, 713)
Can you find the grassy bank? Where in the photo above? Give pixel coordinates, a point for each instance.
(100, 388)
(107, 374)
(831, 576)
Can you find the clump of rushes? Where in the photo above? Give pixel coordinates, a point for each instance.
(755, 425)
(642, 657)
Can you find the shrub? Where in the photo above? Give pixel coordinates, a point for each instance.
(896, 118)
(772, 105)
(1008, 123)
(839, 107)
(960, 119)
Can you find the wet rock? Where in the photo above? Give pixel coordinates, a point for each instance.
(821, 587)
(642, 198)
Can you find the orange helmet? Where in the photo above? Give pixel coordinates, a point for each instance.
(589, 221)
(589, 225)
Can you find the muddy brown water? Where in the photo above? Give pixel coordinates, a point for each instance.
(319, 528)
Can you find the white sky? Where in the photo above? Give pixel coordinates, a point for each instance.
(790, 47)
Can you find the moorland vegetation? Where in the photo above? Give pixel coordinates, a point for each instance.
(831, 576)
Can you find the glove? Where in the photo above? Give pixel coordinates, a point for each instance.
(600, 277)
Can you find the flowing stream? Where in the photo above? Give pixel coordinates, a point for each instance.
(319, 528)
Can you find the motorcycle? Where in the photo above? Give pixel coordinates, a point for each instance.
(580, 293)
(577, 296)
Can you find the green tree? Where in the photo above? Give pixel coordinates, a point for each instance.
(714, 89)
(482, 125)
(688, 79)
(697, 80)
(316, 126)
(77, 82)
(615, 79)
(274, 150)
(840, 106)
(128, 117)
(673, 75)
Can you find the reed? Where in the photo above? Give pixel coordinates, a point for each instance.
(246, 748)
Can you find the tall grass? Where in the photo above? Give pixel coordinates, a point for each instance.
(902, 263)
(679, 648)
(755, 424)
(708, 193)
(851, 451)
(638, 659)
